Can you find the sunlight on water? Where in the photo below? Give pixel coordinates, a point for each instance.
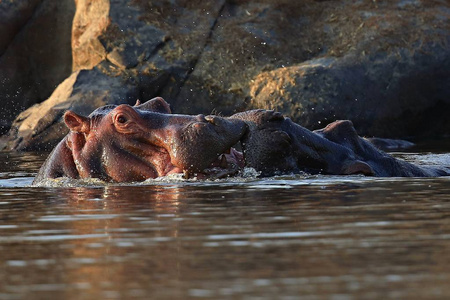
(71, 182)
(16, 182)
(275, 182)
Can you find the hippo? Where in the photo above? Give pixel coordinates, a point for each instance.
(123, 143)
(274, 144)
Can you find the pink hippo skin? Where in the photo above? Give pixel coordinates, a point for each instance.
(132, 143)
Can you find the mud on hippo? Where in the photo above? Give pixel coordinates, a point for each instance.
(133, 143)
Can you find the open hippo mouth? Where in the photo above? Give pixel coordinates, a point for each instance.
(202, 146)
(197, 146)
(225, 165)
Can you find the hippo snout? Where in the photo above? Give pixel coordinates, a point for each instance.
(200, 143)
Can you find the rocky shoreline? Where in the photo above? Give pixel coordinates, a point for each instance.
(383, 65)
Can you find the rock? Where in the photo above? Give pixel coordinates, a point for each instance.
(35, 53)
(388, 95)
(157, 38)
(246, 39)
(40, 127)
(112, 31)
(90, 21)
(389, 74)
(385, 65)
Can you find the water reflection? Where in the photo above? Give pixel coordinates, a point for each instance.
(285, 237)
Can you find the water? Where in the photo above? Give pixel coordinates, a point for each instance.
(308, 237)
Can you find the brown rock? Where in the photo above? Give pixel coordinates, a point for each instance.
(385, 65)
(90, 21)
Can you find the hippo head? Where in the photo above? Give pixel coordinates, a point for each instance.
(132, 143)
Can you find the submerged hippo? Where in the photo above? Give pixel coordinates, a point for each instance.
(274, 144)
(132, 143)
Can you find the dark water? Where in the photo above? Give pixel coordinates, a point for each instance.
(297, 237)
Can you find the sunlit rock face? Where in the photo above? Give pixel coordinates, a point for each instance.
(384, 65)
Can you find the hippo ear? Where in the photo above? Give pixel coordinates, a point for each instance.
(157, 104)
(76, 123)
(358, 167)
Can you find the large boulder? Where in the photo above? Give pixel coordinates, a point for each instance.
(385, 65)
(160, 40)
(35, 53)
(389, 95)
(390, 74)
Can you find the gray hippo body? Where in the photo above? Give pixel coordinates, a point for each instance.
(274, 144)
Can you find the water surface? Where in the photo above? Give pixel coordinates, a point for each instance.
(308, 237)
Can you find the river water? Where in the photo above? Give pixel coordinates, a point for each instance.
(292, 237)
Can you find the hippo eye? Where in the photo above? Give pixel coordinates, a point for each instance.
(121, 119)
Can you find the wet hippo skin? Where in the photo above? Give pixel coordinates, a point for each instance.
(343, 133)
(124, 143)
(274, 144)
